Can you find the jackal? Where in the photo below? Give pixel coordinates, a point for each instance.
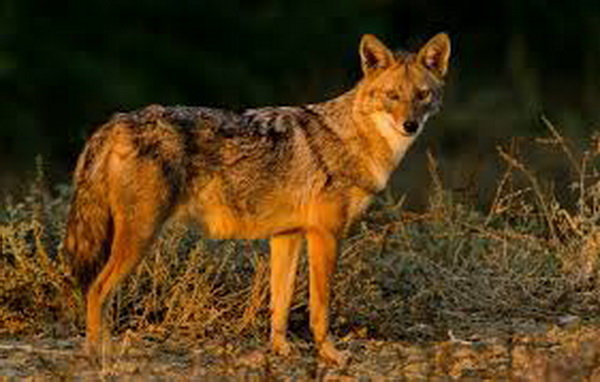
(282, 173)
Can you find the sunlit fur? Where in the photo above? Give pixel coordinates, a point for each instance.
(283, 173)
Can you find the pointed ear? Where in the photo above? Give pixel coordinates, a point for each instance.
(434, 55)
(373, 54)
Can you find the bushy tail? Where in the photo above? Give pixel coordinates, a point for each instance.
(89, 226)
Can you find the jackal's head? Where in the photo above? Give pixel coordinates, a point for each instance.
(400, 91)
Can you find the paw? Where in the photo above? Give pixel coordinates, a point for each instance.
(99, 350)
(92, 353)
(281, 347)
(90, 347)
(330, 355)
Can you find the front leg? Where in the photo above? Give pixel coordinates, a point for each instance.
(322, 251)
(284, 261)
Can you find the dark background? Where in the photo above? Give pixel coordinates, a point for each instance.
(67, 67)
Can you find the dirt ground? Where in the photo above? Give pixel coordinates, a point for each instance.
(556, 354)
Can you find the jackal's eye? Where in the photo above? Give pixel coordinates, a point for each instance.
(423, 95)
(392, 95)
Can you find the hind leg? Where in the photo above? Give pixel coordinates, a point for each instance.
(135, 226)
(126, 252)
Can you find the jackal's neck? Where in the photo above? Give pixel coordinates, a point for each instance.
(338, 110)
(378, 153)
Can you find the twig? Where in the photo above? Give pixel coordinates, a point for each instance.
(536, 189)
(563, 144)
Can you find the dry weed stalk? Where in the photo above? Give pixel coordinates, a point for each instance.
(258, 294)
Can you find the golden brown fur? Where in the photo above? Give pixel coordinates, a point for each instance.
(284, 173)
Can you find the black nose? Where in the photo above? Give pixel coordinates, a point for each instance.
(411, 127)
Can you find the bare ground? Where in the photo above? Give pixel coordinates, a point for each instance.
(553, 353)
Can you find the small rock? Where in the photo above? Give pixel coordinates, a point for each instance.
(568, 321)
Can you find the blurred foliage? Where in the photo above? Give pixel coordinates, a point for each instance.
(65, 68)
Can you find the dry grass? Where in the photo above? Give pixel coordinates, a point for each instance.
(452, 290)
